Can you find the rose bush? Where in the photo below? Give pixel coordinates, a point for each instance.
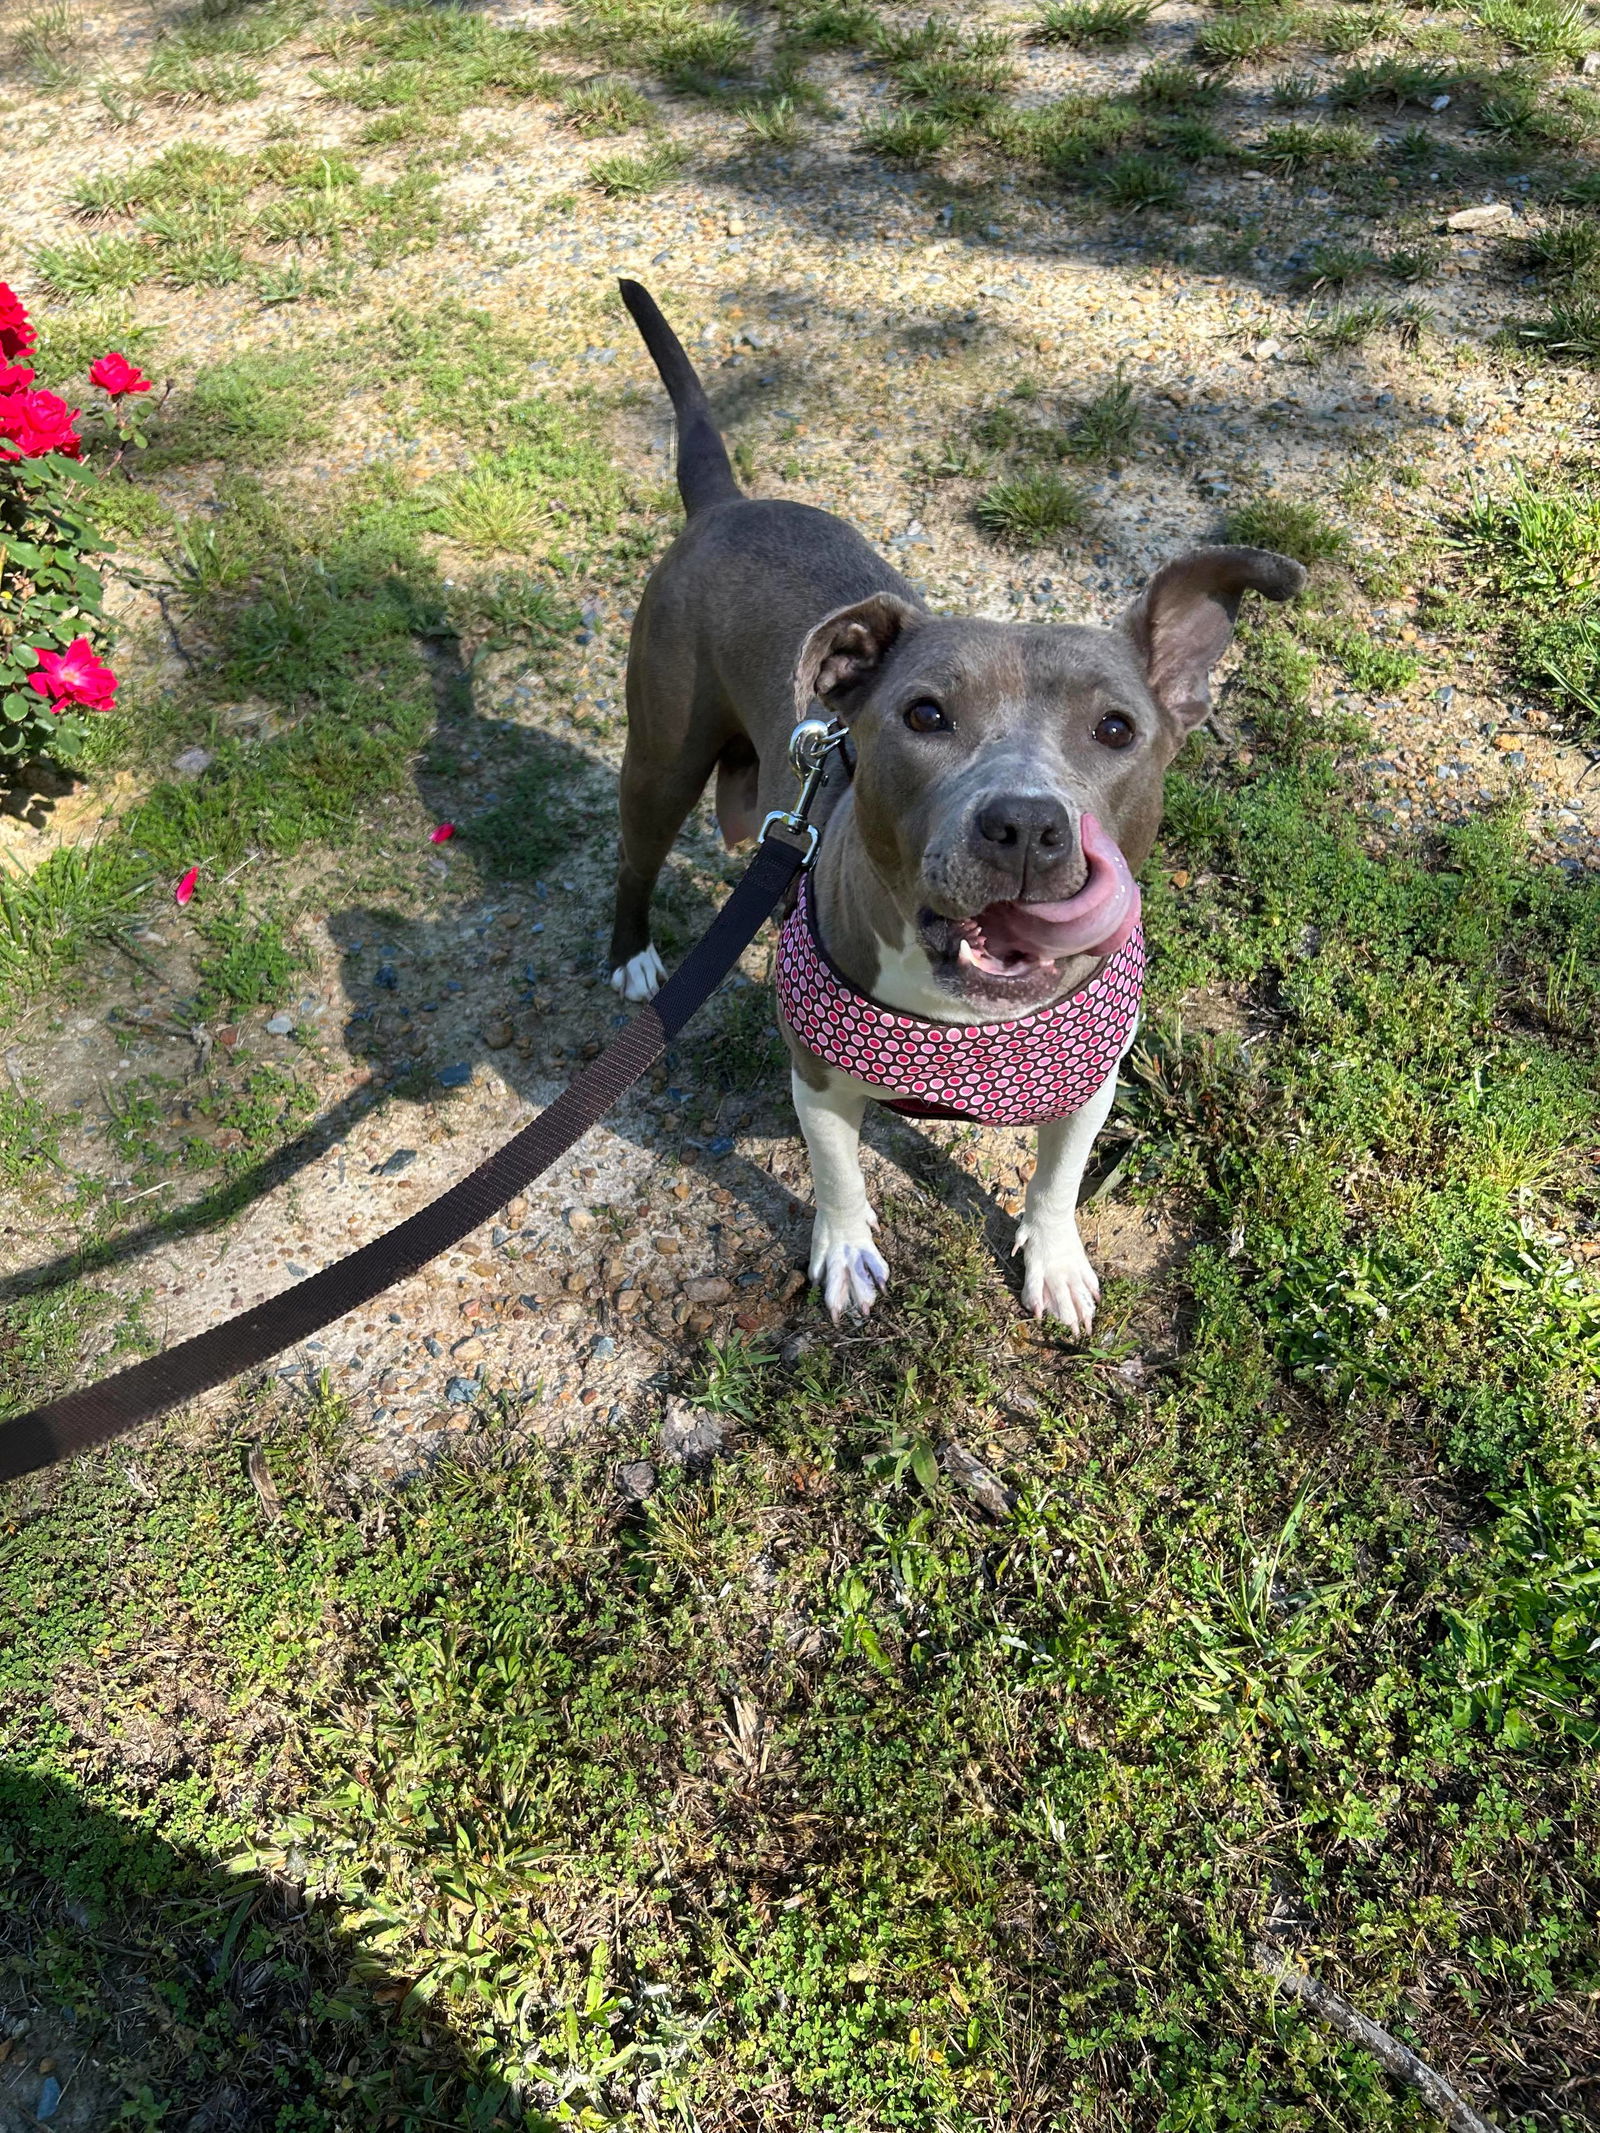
(51, 597)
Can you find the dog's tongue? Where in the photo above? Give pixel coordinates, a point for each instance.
(1094, 922)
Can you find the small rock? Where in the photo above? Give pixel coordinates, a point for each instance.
(735, 225)
(460, 1392)
(689, 1436)
(604, 1348)
(1591, 63)
(1439, 103)
(1487, 217)
(667, 1246)
(391, 1166)
(699, 1322)
(1265, 351)
(455, 1077)
(228, 1036)
(49, 2098)
(579, 1221)
(984, 1487)
(709, 1289)
(796, 1348)
(628, 1301)
(193, 761)
(280, 1025)
(636, 1480)
(386, 977)
(497, 1035)
(434, 1347)
(469, 1350)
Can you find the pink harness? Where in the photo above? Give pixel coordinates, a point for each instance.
(1042, 1066)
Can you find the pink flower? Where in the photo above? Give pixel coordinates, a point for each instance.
(185, 889)
(17, 336)
(114, 374)
(37, 423)
(14, 376)
(443, 834)
(74, 676)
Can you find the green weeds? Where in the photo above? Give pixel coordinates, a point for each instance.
(1291, 527)
(1029, 509)
(1540, 541)
(1110, 23)
(629, 177)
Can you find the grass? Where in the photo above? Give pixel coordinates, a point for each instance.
(630, 177)
(1248, 37)
(1294, 148)
(593, 1828)
(1540, 29)
(916, 138)
(1139, 182)
(1107, 23)
(1540, 544)
(604, 106)
(1291, 527)
(1028, 510)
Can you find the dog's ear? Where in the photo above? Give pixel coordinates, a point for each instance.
(843, 653)
(1181, 623)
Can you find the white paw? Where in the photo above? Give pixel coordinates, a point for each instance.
(846, 1265)
(642, 978)
(1057, 1279)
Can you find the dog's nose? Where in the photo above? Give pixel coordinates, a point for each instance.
(1024, 827)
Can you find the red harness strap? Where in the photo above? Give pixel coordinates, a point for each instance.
(1041, 1066)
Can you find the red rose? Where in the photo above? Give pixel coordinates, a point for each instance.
(74, 676)
(114, 374)
(36, 423)
(17, 336)
(14, 376)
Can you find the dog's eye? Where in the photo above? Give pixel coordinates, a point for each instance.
(926, 717)
(1114, 731)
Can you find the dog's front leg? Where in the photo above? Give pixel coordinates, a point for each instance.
(845, 1263)
(1058, 1280)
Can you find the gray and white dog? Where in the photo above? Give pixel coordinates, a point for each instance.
(974, 882)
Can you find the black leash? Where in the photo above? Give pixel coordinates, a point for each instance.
(78, 1420)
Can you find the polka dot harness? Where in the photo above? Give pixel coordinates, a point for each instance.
(1041, 1066)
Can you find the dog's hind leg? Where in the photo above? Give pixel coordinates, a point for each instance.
(656, 800)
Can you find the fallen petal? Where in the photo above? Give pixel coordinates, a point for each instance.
(185, 889)
(443, 834)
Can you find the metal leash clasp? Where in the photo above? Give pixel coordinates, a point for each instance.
(810, 745)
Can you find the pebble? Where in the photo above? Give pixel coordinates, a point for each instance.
(497, 1035)
(636, 1480)
(460, 1392)
(49, 2098)
(579, 1221)
(192, 761)
(689, 1436)
(456, 1076)
(1488, 217)
(708, 1289)
(280, 1025)
(469, 1350)
(391, 1167)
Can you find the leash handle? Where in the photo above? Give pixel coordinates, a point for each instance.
(78, 1420)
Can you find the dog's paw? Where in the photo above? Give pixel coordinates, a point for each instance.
(1057, 1279)
(642, 977)
(846, 1265)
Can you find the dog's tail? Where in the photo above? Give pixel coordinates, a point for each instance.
(704, 475)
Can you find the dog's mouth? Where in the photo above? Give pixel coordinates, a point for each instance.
(1016, 948)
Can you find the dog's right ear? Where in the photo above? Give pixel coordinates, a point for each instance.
(843, 654)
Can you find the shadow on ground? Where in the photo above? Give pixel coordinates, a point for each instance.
(137, 1978)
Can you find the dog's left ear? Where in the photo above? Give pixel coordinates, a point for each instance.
(846, 649)
(1182, 622)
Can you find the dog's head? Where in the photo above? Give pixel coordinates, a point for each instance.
(1008, 778)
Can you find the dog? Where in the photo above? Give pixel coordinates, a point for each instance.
(968, 943)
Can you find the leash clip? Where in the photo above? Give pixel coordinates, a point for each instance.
(810, 745)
